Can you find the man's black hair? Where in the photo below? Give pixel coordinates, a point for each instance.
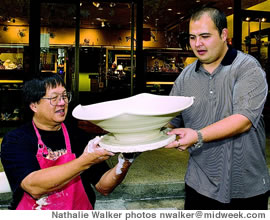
(217, 16)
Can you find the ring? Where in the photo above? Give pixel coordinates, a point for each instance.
(178, 145)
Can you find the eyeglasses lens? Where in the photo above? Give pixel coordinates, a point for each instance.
(66, 97)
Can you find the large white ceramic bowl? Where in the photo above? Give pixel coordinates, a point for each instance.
(136, 120)
(4, 184)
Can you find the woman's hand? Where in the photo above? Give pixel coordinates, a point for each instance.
(94, 154)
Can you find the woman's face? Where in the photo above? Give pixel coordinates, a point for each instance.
(51, 110)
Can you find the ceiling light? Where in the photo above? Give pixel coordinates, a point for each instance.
(81, 4)
(102, 24)
(263, 19)
(96, 4)
(179, 13)
(112, 4)
(198, 1)
(247, 18)
(230, 7)
(169, 9)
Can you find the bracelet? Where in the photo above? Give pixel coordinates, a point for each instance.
(200, 140)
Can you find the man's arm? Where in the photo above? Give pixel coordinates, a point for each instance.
(225, 128)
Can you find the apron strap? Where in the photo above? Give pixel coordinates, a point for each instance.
(67, 139)
(42, 149)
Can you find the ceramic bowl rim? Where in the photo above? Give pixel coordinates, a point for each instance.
(76, 109)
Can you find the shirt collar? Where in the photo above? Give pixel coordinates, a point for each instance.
(227, 60)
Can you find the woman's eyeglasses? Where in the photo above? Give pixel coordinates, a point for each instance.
(56, 98)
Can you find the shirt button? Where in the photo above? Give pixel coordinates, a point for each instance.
(211, 92)
(210, 77)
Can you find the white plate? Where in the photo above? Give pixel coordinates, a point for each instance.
(110, 143)
(134, 120)
(4, 184)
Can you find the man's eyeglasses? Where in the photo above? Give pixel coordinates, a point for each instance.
(56, 98)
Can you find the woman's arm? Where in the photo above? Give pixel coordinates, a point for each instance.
(53, 178)
(114, 176)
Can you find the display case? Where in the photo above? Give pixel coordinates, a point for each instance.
(12, 75)
(11, 63)
(11, 104)
(11, 58)
(163, 66)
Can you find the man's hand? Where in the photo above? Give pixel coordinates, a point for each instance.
(186, 137)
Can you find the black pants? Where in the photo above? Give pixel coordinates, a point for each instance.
(196, 201)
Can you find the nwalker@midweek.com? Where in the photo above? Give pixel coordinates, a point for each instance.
(160, 214)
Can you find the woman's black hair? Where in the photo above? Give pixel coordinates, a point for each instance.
(33, 90)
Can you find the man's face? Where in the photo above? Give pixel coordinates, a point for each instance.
(206, 42)
(49, 114)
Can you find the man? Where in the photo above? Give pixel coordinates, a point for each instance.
(224, 128)
(48, 163)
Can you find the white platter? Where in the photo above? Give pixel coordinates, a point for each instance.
(111, 144)
(136, 120)
(4, 184)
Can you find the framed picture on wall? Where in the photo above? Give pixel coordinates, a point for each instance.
(125, 61)
(48, 62)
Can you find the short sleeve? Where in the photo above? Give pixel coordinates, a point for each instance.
(18, 156)
(249, 95)
(177, 122)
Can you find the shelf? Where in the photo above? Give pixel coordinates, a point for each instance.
(159, 83)
(11, 81)
(165, 65)
(12, 75)
(184, 53)
(161, 76)
(4, 89)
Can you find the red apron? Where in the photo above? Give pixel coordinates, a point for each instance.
(70, 197)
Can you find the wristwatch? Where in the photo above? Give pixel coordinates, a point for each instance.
(200, 140)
